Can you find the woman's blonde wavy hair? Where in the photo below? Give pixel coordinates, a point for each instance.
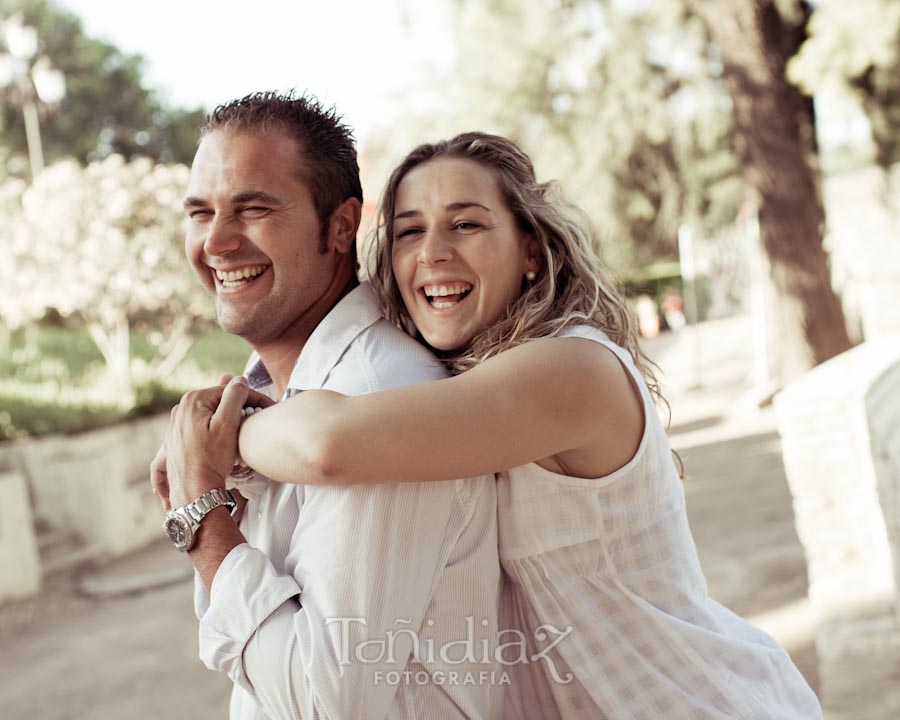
(572, 287)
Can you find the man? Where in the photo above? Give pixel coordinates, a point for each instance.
(339, 602)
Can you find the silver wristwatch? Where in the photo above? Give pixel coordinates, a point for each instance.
(181, 524)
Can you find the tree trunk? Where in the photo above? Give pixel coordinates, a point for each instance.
(777, 152)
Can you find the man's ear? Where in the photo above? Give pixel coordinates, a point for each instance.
(343, 225)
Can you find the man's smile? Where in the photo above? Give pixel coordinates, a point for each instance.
(239, 277)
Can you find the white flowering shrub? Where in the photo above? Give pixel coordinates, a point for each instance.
(103, 244)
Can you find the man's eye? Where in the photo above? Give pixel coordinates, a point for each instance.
(198, 214)
(254, 211)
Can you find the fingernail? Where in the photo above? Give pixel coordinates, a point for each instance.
(238, 380)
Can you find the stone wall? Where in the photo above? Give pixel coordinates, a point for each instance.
(840, 430)
(21, 572)
(883, 414)
(95, 484)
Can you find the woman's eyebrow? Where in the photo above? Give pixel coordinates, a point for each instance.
(461, 205)
(406, 214)
(465, 204)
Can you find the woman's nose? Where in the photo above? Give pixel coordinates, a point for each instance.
(435, 247)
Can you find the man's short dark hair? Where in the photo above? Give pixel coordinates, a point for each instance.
(328, 164)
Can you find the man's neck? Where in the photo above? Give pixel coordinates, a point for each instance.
(280, 355)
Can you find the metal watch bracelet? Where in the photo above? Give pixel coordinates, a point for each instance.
(211, 499)
(181, 524)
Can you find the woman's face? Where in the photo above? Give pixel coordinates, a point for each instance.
(458, 255)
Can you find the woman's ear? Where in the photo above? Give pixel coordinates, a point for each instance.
(534, 260)
(343, 225)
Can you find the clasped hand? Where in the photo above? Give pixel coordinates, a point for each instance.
(201, 443)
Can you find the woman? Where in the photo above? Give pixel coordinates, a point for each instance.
(552, 393)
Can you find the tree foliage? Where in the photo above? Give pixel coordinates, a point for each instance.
(858, 46)
(106, 108)
(102, 245)
(613, 99)
(658, 114)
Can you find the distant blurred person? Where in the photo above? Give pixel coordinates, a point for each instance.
(648, 316)
(673, 310)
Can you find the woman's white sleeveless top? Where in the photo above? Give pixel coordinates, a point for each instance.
(604, 607)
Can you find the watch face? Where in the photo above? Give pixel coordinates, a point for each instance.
(179, 531)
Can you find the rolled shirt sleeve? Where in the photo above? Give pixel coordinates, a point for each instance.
(226, 627)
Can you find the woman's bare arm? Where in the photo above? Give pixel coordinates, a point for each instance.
(563, 398)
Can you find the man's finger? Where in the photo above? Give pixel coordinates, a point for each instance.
(204, 400)
(233, 398)
(225, 378)
(257, 399)
(159, 479)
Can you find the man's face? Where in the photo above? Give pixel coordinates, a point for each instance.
(253, 234)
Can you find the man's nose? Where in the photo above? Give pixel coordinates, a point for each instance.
(435, 247)
(222, 237)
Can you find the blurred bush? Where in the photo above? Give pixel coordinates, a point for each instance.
(53, 380)
(101, 248)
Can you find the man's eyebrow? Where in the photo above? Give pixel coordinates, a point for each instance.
(255, 196)
(452, 207)
(240, 198)
(192, 202)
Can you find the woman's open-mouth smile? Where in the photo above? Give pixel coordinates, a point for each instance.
(444, 296)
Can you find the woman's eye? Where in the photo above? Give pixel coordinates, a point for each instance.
(406, 232)
(466, 225)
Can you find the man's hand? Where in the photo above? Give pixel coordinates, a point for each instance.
(160, 483)
(198, 454)
(202, 440)
(159, 477)
(201, 443)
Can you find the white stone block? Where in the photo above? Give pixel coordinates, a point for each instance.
(97, 483)
(20, 567)
(840, 431)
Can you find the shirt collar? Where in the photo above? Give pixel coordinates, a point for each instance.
(353, 313)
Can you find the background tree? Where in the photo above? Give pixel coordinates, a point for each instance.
(102, 246)
(656, 115)
(858, 46)
(590, 90)
(775, 141)
(106, 109)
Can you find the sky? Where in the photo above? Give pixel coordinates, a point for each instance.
(366, 57)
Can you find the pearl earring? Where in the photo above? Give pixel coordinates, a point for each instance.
(530, 275)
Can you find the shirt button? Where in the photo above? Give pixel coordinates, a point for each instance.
(259, 514)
